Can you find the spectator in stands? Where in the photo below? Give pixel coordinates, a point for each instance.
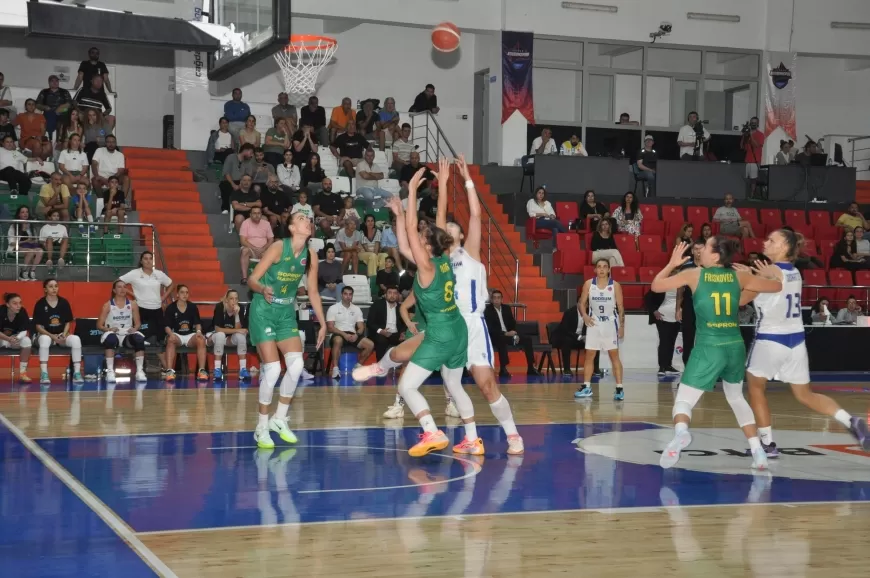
(820, 314)
(91, 68)
(53, 318)
(348, 148)
(6, 98)
(6, 127)
(73, 163)
(385, 325)
(302, 205)
(783, 157)
(236, 166)
(426, 100)
(53, 195)
(237, 112)
(502, 328)
(33, 137)
(846, 254)
(862, 245)
(249, 134)
(685, 311)
(407, 173)
(313, 174)
(222, 143)
(228, 328)
(277, 143)
(752, 144)
(274, 200)
(14, 332)
(388, 123)
(51, 234)
(389, 242)
(345, 322)
(39, 170)
(604, 245)
(686, 235)
(687, 139)
(730, 221)
(647, 160)
(305, 145)
(286, 111)
(96, 130)
(573, 147)
(114, 204)
(706, 232)
(54, 102)
(805, 157)
(330, 275)
(243, 200)
(263, 171)
(662, 310)
(349, 212)
(427, 207)
(849, 314)
(628, 217)
(406, 280)
(24, 240)
(402, 148)
(387, 277)
(851, 218)
(348, 242)
(12, 165)
(255, 236)
(371, 247)
(367, 120)
(540, 209)
(152, 288)
(81, 203)
(591, 208)
(327, 205)
(183, 327)
(109, 162)
(791, 151)
(342, 117)
(544, 144)
(368, 173)
(568, 337)
(289, 174)
(70, 124)
(93, 97)
(315, 117)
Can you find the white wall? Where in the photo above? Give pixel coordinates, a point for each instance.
(141, 79)
(813, 32)
(467, 14)
(830, 99)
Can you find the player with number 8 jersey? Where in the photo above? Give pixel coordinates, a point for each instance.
(446, 340)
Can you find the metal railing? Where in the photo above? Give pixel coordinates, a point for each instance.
(860, 155)
(85, 248)
(432, 143)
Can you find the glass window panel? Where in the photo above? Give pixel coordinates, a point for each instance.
(657, 111)
(627, 93)
(673, 60)
(614, 56)
(558, 51)
(684, 99)
(600, 97)
(731, 64)
(729, 103)
(563, 99)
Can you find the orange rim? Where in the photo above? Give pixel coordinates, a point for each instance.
(308, 42)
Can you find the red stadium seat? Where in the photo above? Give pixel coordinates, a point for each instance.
(632, 260)
(534, 234)
(826, 248)
(810, 248)
(696, 214)
(648, 273)
(568, 253)
(748, 213)
(655, 260)
(650, 243)
(625, 243)
(771, 218)
(650, 213)
(819, 218)
(654, 227)
(624, 274)
(795, 217)
(588, 272)
(862, 278)
(813, 279)
(567, 212)
(840, 278)
(613, 207)
(632, 296)
(673, 213)
(753, 245)
(573, 261)
(805, 230)
(839, 297)
(825, 232)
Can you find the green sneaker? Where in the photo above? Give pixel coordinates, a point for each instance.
(263, 439)
(279, 426)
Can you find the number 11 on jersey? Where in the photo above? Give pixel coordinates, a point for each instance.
(717, 302)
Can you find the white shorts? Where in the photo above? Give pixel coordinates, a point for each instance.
(772, 360)
(479, 344)
(751, 170)
(602, 336)
(185, 339)
(6, 344)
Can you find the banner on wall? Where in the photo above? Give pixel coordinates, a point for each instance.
(780, 98)
(516, 75)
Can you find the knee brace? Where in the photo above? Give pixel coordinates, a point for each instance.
(268, 378)
(294, 363)
(136, 341)
(241, 344)
(687, 398)
(741, 408)
(25, 343)
(219, 340)
(111, 341)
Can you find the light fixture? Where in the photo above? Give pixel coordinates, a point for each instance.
(851, 25)
(714, 17)
(590, 7)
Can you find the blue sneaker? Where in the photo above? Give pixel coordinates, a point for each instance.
(770, 450)
(43, 377)
(244, 374)
(78, 378)
(218, 374)
(582, 393)
(619, 395)
(858, 428)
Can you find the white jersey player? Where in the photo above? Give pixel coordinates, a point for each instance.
(601, 300)
(779, 351)
(471, 294)
(119, 320)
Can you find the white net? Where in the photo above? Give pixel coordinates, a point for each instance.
(301, 63)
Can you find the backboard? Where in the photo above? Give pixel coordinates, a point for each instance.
(252, 30)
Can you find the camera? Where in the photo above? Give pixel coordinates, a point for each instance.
(746, 129)
(666, 27)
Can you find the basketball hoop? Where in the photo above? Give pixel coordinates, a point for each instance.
(301, 62)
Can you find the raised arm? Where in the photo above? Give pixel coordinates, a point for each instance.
(665, 281)
(401, 232)
(768, 280)
(425, 268)
(314, 293)
(443, 177)
(473, 234)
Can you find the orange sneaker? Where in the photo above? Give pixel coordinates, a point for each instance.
(429, 442)
(474, 448)
(24, 378)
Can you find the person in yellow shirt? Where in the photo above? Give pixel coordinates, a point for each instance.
(341, 116)
(53, 195)
(850, 219)
(573, 147)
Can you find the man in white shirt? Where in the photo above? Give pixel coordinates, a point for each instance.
(402, 148)
(573, 147)
(368, 173)
(108, 161)
(687, 138)
(51, 235)
(544, 144)
(12, 165)
(344, 321)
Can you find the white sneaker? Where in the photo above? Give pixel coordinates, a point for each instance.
(759, 460)
(515, 445)
(365, 372)
(280, 427)
(49, 263)
(61, 262)
(395, 411)
(450, 410)
(305, 376)
(225, 212)
(671, 455)
(263, 439)
(110, 376)
(336, 373)
(140, 376)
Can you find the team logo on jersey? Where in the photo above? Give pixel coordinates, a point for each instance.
(303, 262)
(610, 288)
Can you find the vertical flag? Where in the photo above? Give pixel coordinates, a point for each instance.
(780, 95)
(516, 74)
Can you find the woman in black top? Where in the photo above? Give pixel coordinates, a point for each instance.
(387, 277)
(24, 239)
(846, 254)
(14, 326)
(604, 245)
(183, 328)
(589, 207)
(228, 328)
(53, 317)
(313, 174)
(304, 144)
(114, 204)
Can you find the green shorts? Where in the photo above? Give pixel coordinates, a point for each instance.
(443, 346)
(708, 363)
(271, 322)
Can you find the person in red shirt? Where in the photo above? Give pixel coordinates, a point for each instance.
(33, 135)
(753, 145)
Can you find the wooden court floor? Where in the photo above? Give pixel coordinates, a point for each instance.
(177, 472)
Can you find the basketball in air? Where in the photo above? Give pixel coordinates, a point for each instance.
(445, 37)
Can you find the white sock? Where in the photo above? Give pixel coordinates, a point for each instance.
(217, 363)
(140, 363)
(766, 435)
(281, 412)
(90, 218)
(470, 431)
(680, 427)
(587, 384)
(110, 363)
(386, 363)
(43, 367)
(22, 367)
(843, 417)
(501, 409)
(262, 420)
(77, 366)
(754, 443)
(618, 386)
(427, 422)
(243, 362)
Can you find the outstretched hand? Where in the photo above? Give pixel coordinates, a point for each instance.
(463, 167)
(767, 270)
(678, 256)
(741, 268)
(414, 183)
(395, 205)
(443, 169)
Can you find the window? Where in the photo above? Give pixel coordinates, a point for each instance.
(614, 56)
(600, 97)
(673, 60)
(658, 98)
(684, 99)
(627, 93)
(559, 94)
(559, 52)
(731, 64)
(729, 103)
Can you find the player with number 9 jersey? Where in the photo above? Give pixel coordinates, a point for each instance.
(276, 321)
(445, 342)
